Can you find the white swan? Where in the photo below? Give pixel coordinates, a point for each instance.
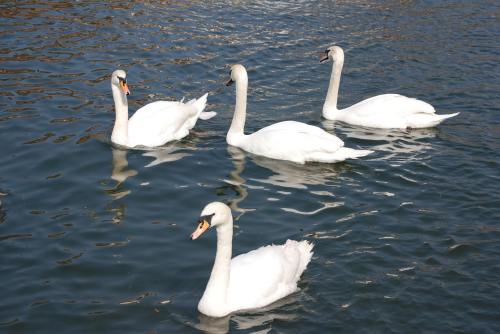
(251, 280)
(156, 123)
(289, 140)
(385, 111)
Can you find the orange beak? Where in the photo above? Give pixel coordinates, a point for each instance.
(202, 227)
(124, 87)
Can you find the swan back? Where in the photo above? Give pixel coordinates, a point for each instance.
(267, 274)
(162, 121)
(294, 141)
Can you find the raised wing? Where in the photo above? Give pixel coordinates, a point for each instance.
(257, 275)
(159, 122)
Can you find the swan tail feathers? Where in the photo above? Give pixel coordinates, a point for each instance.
(354, 154)
(443, 117)
(341, 154)
(200, 103)
(304, 248)
(207, 115)
(350, 153)
(427, 121)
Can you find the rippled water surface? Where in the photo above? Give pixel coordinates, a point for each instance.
(94, 239)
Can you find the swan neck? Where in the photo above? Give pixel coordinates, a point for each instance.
(217, 286)
(236, 131)
(330, 110)
(120, 129)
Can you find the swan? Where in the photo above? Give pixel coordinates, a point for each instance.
(289, 140)
(387, 111)
(251, 280)
(156, 123)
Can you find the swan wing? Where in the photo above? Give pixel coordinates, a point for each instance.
(291, 140)
(390, 105)
(294, 126)
(159, 122)
(162, 121)
(264, 275)
(387, 111)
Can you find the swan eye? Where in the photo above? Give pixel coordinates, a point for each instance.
(204, 224)
(326, 51)
(205, 221)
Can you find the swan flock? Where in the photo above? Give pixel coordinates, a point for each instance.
(269, 273)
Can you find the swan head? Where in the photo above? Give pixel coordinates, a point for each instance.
(334, 52)
(214, 214)
(237, 73)
(119, 79)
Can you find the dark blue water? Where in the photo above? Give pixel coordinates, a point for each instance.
(95, 239)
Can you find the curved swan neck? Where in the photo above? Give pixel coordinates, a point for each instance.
(216, 290)
(120, 129)
(240, 111)
(330, 110)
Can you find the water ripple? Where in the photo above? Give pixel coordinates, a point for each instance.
(85, 226)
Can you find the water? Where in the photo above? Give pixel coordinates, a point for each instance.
(95, 239)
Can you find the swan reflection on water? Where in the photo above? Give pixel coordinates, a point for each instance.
(177, 150)
(289, 174)
(237, 182)
(402, 145)
(120, 173)
(173, 152)
(285, 309)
